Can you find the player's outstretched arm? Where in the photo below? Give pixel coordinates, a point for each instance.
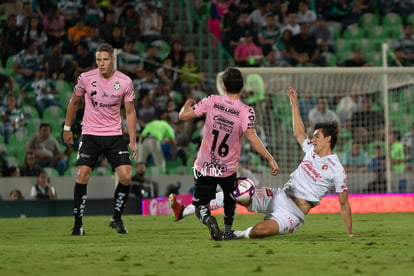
(257, 144)
(187, 112)
(346, 213)
(297, 123)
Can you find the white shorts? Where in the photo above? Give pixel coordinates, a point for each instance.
(278, 207)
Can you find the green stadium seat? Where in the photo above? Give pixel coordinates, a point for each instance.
(162, 47)
(331, 59)
(410, 18)
(8, 69)
(374, 57)
(377, 32)
(30, 112)
(16, 146)
(392, 23)
(51, 172)
(32, 126)
(368, 20)
(353, 32)
(52, 113)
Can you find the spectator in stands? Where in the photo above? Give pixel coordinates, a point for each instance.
(408, 142)
(248, 53)
(168, 76)
(284, 45)
(107, 26)
(321, 113)
(176, 54)
(305, 15)
(25, 63)
(79, 31)
(141, 186)
(30, 167)
(355, 159)
(83, 59)
(117, 39)
(149, 82)
(325, 8)
(34, 31)
(44, 90)
(6, 88)
(43, 189)
(191, 77)
(322, 34)
(274, 60)
(292, 24)
(4, 164)
(406, 42)
(145, 108)
(366, 123)
(268, 34)
(54, 26)
(232, 38)
(46, 149)
(12, 119)
(229, 19)
(305, 42)
(155, 134)
(150, 25)
(303, 60)
(128, 20)
(15, 194)
(71, 9)
(377, 166)
(94, 14)
(11, 38)
(257, 18)
(128, 61)
(397, 154)
(347, 105)
(94, 40)
(56, 65)
(151, 62)
(357, 59)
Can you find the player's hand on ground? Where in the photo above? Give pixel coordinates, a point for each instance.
(354, 235)
(293, 95)
(274, 167)
(134, 150)
(68, 137)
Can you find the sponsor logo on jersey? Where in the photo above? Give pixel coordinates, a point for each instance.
(226, 109)
(308, 168)
(93, 83)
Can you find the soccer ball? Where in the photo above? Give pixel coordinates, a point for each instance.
(244, 190)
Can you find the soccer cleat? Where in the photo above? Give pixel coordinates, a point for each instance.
(118, 225)
(78, 231)
(215, 232)
(227, 236)
(176, 208)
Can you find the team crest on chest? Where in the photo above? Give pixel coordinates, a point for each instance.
(324, 167)
(117, 85)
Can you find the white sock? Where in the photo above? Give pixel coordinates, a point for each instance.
(189, 210)
(243, 234)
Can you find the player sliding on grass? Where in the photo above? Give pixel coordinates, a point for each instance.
(319, 171)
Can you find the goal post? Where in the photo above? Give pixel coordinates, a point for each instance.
(387, 93)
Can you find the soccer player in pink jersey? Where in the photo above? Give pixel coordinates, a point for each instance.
(227, 121)
(319, 172)
(104, 89)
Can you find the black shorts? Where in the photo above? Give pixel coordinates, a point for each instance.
(205, 188)
(115, 149)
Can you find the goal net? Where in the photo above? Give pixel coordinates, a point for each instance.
(366, 101)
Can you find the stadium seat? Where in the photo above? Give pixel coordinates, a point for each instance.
(377, 32)
(353, 32)
(374, 57)
(30, 112)
(8, 69)
(53, 112)
(410, 18)
(392, 23)
(16, 146)
(51, 172)
(162, 47)
(32, 126)
(368, 20)
(331, 59)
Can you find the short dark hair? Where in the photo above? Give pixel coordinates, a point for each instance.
(329, 129)
(105, 48)
(233, 80)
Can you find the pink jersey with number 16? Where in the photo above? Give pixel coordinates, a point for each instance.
(103, 98)
(226, 121)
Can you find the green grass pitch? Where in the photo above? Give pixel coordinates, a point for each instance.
(156, 245)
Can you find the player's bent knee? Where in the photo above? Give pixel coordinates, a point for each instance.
(264, 229)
